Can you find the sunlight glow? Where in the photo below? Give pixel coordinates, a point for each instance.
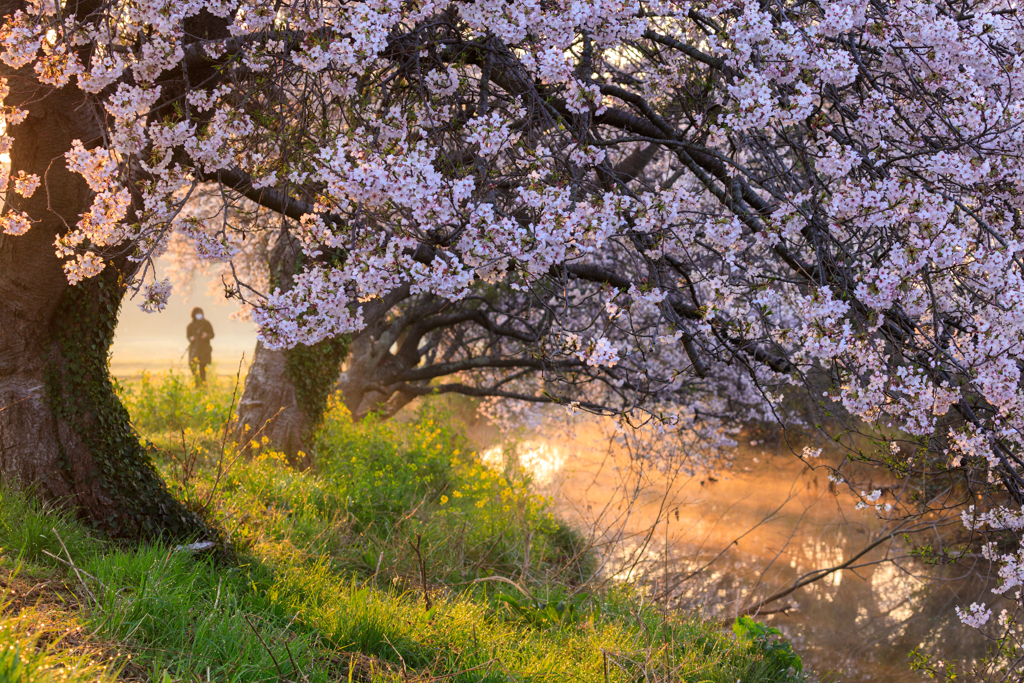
(542, 461)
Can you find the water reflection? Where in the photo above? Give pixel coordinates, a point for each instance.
(542, 460)
(718, 545)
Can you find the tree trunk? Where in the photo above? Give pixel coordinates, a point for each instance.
(63, 433)
(286, 394)
(380, 356)
(286, 391)
(366, 382)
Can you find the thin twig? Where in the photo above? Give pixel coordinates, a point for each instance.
(423, 572)
(265, 646)
(818, 574)
(75, 569)
(294, 663)
(510, 582)
(405, 671)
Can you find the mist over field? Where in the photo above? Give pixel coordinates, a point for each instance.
(156, 341)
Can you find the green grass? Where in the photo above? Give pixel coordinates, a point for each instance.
(398, 557)
(32, 653)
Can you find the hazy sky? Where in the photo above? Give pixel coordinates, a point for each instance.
(156, 341)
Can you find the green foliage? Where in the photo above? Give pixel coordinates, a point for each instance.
(577, 554)
(29, 653)
(37, 534)
(769, 641)
(190, 614)
(422, 478)
(186, 424)
(165, 405)
(538, 613)
(386, 468)
(80, 393)
(376, 487)
(314, 370)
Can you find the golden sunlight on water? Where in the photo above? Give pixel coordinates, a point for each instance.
(542, 460)
(717, 544)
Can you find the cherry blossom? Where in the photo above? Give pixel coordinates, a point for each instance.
(155, 296)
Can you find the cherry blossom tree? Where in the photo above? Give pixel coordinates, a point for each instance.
(678, 212)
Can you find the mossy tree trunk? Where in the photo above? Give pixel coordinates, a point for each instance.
(286, 394)
(63, 433)
(286, 391)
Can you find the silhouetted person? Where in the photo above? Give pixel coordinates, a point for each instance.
(199, 334)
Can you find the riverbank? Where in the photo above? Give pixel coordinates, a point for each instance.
(715, 544)
(398, 556)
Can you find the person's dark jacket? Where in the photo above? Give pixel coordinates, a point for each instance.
(199, 334)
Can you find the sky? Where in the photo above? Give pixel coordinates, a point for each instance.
(156, 341)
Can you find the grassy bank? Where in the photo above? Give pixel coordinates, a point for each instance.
(394, 554)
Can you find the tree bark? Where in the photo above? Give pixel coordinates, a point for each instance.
(63, 433)
(380, 356)
(269, 407)
(286, 391)
(364, 384)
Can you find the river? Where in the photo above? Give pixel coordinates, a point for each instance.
(705, 544)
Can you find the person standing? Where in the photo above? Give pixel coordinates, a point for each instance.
(199, 334)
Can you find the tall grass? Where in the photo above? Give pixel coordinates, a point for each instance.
(31, 651)
(168, 403)
(398, 556)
